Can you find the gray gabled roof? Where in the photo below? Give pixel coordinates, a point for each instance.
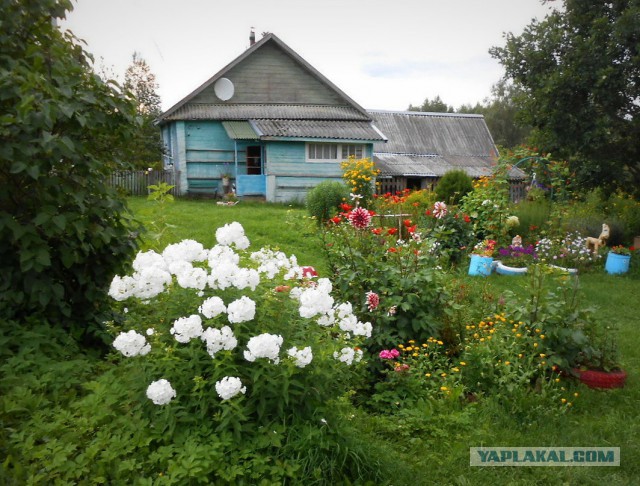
(431, 144)
(182, 109)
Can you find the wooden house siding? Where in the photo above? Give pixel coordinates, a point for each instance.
(272, 77)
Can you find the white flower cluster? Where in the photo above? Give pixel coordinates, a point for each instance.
(272, 262)
(241, 310)
(316, 300)
(160, 392)
(229, 387)
(232, 234)
(219, 340)
(144, 284)
(301, 357)
(349, 323)
(187, 328)
(348, 355)
(131, 344)
(264, 346)
(212, 307)
(185, 251)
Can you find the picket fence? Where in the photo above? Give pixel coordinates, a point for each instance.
(137, 182)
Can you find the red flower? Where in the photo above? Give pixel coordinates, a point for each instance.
(407, 222)
(373, 300)
(346, 207)
(336, 219)
(428, 212)
(392, 250)
(632, 248)
(415, 205)
(412, 229)
(392, 231)
(467, 219)
(359, 218)
(376, 231)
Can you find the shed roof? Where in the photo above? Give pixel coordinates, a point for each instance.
(318, 129)
(240, 130)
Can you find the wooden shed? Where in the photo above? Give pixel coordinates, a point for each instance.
(422, 147)
(271, 122)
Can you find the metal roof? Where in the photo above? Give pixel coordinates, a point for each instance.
(194, 111)
(240, 130)
(430, 165)
(320, 129)
(434, 133)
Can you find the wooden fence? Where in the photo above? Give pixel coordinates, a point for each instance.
(136, 183)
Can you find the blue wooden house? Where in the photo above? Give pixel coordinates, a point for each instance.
(271, 122)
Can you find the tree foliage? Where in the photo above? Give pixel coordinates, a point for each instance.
(453, 186)
(436, 105)
(63, 231)
(146, 148)
(579, 72)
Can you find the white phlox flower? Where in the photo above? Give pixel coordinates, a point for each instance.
(131, 344)
(122, 288)
(187, 328)
(328, 319)
(222, 254)
(245, 278)
(149, 282)
(148, 259)
(222, 275)
(316, 300)
(186, 250)
(272, 262)
(229, 387)
(264, 346)
(196, 278)
(232, 234)
(160, 392)
(348, 355)
(212, 307)
(219, 340)
(302, 357)
(241, 310)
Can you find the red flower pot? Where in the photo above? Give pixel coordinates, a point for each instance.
(602, 379)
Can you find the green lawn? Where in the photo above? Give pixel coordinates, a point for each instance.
(438, 452)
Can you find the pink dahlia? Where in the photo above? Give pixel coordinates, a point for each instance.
(373, 300)
(439, 210)
(360, 218)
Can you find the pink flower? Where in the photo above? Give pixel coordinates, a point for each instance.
(439, 210)
(389, 354)
(373, 300)
(359, 218)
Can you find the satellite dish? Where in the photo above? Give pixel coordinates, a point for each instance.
(224, 89)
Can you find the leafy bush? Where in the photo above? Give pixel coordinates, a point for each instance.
(63, 231)
(451, 231)
(323, 200)
(393, 266)
(453, 186)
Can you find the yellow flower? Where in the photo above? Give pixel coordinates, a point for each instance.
(443, 388)
(455, 369)
(576, 394)
(507, 363)
(443, 374)
(428, 375)
(462, 363)
(535, 345)
(542, 355)
(563, 400)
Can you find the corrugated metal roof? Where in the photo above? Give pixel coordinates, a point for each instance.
(195, 111)
(321, 129)
(240, 130)
(434, 133)
(430, 165)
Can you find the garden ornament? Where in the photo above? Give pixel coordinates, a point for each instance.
(516, 241)
(594, 244)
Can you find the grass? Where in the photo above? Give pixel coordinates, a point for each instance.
(439, 452)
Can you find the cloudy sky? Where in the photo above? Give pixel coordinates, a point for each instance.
(383, 54)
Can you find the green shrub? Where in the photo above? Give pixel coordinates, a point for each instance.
(453, 186)
(324, 199)
(63, 231)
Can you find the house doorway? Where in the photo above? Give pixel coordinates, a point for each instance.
(254, 160)
(414, 183)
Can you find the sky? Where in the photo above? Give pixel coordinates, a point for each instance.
(383, 54)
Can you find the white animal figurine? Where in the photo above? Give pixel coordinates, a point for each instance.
(516, 242)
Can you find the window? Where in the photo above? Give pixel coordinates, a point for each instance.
(329, 152)
(349, 150)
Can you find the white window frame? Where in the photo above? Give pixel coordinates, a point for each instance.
(338, 147)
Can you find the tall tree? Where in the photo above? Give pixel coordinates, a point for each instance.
(579, 72)
(64, 233)
(436, 106)
(140, 83)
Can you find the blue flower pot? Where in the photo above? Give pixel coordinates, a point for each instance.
(480, 265)
(617, 264)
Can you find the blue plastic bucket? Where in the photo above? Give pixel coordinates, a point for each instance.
(617, 264)
(480, 265)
